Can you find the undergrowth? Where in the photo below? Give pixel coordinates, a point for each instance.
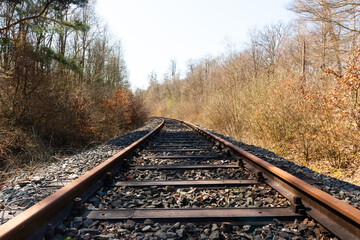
(313, 123)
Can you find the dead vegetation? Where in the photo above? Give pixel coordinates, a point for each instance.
(63, 82)
(293, 90)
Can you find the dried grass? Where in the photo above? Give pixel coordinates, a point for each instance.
(314, 123)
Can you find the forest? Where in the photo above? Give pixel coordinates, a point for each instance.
(294, 89)
(64, 82)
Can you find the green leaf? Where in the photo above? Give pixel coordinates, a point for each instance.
(69, 63)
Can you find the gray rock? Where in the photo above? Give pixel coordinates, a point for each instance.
(190, 227)
(214, 235)
(248, 236)
(258, 203)
(117, 203)
(129, 224)
(88, 230)
(87, 223)
(77, 222)
(111, 235)
(138, 202)
(275, 223)
(302, 227)
(356, 192)
(246, 228)
(154, 229)
(139, 235)
(148, 222)
(160, 234)
(149, 235)
(102, 237)
(171, 235)
(203, 236)
(214, 227)
(207, 232)
(283, 235)
(73, 230)
(176, 225)
(181, 233)
(78, 219)
(86, 236)
(95, 223)
(249, 201)
(146, 228)
(269, 200)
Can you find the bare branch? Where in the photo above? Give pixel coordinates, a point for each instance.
(28, 18)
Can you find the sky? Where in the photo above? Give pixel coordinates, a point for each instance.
(154, 32)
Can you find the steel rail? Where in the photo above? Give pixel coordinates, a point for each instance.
(338, 217)
(31, 223)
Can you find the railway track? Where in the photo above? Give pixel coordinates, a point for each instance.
(182, 182)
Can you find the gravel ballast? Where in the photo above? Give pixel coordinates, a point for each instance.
(170, 197)
(26, 189)
(148, 229)
(347, 192)
(205, 174)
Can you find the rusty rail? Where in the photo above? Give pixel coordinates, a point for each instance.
(31, 223)
(338, 217)
(335, 215)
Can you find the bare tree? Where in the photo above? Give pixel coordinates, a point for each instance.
(338, 21)
(255, 51)
(267, 42)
